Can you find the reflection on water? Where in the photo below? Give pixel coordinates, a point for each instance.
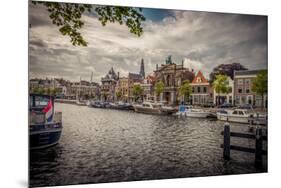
(101, 145)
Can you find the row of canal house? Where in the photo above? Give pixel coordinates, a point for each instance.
(113, 83)
(172, 75)
(240, 92)
(243, 93)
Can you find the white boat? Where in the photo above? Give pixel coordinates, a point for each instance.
(240, 116)
(80, 103)
(153, 108)
(189, 111)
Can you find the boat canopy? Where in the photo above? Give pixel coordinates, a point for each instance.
(38, 101)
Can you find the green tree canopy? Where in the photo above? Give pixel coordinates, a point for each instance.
(118, 94)
(34, 90)
(221, 84)
(137, 91)
(259, 84)
(67, 16)
(41, 91)
(185, 89)
(159, 87)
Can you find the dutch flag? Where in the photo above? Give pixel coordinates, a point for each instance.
(48, 110)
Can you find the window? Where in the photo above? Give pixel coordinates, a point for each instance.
(240, 81)
(179, 82)
(198, 79)
(192, 89)
(241, 113)
(235, 112)
(198, 89)
(205, 89)
(239, 90)
(247, 81)
(237, 100)
(247, 90)
(230, 89)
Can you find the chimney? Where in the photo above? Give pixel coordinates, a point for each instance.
(118, 75)
(156, 66)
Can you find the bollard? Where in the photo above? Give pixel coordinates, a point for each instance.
(226, 142)
(250, 127)
(258, 152)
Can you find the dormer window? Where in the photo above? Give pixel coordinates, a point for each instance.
(199, 80)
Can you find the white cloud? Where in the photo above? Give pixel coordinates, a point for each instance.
(203, 40)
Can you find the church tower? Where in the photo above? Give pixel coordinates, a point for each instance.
(142, 73)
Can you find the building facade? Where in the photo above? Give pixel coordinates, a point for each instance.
(123, 87)
(83, 90)
(109, 82)
(243, 89)
(202, 92)
(147, 89)
(59, 85)
(172, 75)
(133, 79)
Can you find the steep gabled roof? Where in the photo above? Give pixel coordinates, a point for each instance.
(135, 76)
(199, 79)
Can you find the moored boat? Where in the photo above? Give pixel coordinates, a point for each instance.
(45, 125)
(153, 108)
(121, 106)
(99, 104)
(241, 116)
(189, 111)
(81, 103)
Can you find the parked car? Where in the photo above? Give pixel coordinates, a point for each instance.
(209, 105)
(225, 105)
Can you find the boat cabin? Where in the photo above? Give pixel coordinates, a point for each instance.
(151, 105)
(240, 112)
(38, 102)
(37, 105)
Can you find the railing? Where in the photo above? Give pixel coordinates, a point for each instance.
(39, 118)
(258, 150)
(58, 117)
(36, 118)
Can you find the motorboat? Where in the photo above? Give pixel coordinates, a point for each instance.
(120, 105)
(45, 125)
(189, 111)
(153, 108)
(81, 103)
(99, 104)
(241, 116)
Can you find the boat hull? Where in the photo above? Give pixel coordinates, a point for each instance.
(45, 137)
(195, 114)
(236, 119)
(148, 110)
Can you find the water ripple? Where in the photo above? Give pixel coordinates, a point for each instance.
(101, 145)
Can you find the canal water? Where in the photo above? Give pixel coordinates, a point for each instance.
(103, 145)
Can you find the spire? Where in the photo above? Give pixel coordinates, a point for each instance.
(142, 73)
(91, 77)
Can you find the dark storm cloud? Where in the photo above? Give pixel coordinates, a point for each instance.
(203, 40)
(38, 16)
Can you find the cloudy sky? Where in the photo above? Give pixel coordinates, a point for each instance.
(203, 40)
